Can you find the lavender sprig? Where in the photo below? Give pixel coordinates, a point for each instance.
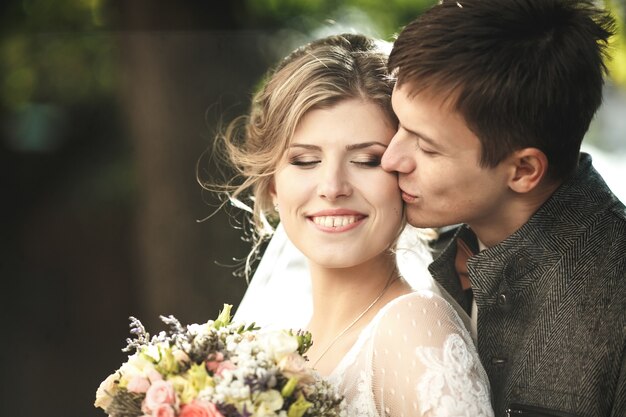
(177, 333)
(142, 337)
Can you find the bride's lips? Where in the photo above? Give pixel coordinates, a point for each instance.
(336, 220)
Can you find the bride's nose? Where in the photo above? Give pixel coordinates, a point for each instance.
(333, 183)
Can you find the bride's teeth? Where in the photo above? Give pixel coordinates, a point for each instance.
(334, 221)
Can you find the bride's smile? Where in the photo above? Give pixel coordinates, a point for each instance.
(337, 220)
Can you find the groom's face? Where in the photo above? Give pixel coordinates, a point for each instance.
(437, 159)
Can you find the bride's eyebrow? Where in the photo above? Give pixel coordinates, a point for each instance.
(364, 145)
(305, 146)
(351, 147)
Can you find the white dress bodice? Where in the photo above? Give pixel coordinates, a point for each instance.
(415, 358)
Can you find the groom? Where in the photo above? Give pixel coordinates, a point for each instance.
(494, 98)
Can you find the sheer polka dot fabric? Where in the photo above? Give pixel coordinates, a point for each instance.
(414, 359)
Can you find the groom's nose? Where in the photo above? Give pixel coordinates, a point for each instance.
(399, 156)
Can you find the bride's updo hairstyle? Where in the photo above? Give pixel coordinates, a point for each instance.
(317, 75)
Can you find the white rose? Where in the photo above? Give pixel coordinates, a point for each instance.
(294, 365)
(106, 391)
(277, 344)
(267, 403)
(133, 368)
(180, 356)
(152, 352)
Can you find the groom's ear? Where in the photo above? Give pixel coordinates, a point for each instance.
(528, 167)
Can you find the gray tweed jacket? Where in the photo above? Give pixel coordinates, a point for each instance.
(552, 305)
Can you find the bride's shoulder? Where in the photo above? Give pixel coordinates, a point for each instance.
(419, 313)
(419, 301)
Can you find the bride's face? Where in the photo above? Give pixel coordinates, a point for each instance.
(338, 206)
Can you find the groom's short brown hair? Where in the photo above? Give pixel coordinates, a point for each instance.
(523, 73)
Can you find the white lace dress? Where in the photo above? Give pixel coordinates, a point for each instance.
(415, 358)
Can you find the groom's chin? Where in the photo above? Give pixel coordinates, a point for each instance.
(415, 217)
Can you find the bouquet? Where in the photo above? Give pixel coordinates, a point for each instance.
(217, 369)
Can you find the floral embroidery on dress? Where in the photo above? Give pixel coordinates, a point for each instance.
(362, 404)
(446, 388)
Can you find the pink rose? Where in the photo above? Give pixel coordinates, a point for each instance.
(226, 365)
(153, 375)
(160, 392)
(164, 410)
(217, 364)
(214, 361)
(199, 409)
(138, 384)
(294, 365)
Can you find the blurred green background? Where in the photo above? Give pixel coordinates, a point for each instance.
(106, 106)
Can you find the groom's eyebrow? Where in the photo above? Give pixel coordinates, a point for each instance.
(419, 135)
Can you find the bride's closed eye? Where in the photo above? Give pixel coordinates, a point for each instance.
(369, 162)
(304, 162)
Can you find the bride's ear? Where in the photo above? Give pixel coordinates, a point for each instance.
(528, 167)
(272, 191)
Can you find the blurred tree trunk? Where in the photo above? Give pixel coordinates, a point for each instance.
(170, 80)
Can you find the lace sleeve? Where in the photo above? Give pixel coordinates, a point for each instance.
(425, 363)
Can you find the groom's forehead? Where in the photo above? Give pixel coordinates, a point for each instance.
(406, 97)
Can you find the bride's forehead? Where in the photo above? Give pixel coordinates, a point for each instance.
(342, 132)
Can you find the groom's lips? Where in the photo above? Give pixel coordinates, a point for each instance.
(408, 198)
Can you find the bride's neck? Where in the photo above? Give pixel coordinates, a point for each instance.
(344, 293)
(344, 301)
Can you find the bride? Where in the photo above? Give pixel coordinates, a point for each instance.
(309, 152)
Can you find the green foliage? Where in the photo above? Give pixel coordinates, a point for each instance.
(51, 51)
(617, 64)
(371, 16)
(305, 340)
(66, 68)
(66, 14)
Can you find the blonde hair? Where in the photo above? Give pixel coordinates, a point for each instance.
(317, 75)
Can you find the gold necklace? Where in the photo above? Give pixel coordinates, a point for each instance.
(359, 317)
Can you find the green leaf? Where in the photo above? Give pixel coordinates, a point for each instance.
(298, 408)
(289, 387)
(224, 317)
